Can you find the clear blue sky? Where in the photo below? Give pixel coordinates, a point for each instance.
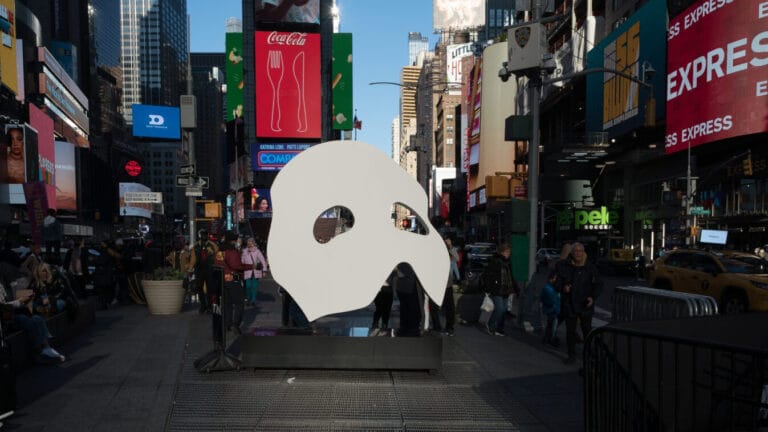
(380, 49)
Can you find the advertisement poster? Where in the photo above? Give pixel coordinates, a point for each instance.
(454, 55)
(16, 158)
(8, 45)
(289, 11)
(273, 156)
(46, 151)
(260, 204)
(37, 207)
(287, 73)
(616, 104)
(234, 73)
(134, 209)
(66, 183)
(717, 84)
(341, 84)
(454, 15)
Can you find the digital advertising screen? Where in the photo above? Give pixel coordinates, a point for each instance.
(287, 74)
(717, 72)
(155, 121)
(274, 156)
(66, 179)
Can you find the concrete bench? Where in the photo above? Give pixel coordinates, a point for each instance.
(60, 327)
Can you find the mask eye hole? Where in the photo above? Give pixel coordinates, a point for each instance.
(332, 223)
(407, 219)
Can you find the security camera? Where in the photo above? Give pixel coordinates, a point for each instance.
(648, 72)
(504, 73)
(548, 64)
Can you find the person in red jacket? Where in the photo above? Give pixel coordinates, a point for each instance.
(234, 294)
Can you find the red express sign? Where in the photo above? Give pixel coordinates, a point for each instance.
(287, 84)
(717, 80)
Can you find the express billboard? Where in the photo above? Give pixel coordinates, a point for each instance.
(287, 73)
(274, 156)
(155, 121)
(716, 85)
(616, 104)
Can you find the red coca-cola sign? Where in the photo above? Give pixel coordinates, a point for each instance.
(279, 38)
(288, 96)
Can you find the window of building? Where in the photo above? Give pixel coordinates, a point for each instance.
(449, 141)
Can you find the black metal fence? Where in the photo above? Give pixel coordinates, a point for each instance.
(697, 374)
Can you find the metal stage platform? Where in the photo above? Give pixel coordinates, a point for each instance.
(338, 348)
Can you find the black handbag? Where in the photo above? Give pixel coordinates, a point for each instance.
(259, 266)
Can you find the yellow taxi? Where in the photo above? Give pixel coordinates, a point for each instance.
(738, 281)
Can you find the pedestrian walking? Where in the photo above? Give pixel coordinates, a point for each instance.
(253, 257)
(76, 267)
(53, 234)
(550, 307)
(407, 288)
(234, 292)
(498, 283)
(205, 254)
(183, 260)
(580, 285)
(448, 308)
(383, 305)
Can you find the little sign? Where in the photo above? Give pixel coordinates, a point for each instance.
(143, 197)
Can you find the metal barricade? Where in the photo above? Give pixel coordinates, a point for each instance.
(633, 303)
(698, 374)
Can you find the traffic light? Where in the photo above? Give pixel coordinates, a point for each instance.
(406, 223)
(748, 166)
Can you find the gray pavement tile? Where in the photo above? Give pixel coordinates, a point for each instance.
(334, 402)
(441, 403)
(456, 426)
(214, 400)
(338, 377)
(320, 425)
(119, 425)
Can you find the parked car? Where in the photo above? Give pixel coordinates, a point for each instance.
(736, 281)
(479, 251)
(545, 255)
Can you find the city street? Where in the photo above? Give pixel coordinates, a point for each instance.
(133, 371)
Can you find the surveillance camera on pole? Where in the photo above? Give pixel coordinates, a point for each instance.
(526, 48)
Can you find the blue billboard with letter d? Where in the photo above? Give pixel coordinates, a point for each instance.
(154, 121)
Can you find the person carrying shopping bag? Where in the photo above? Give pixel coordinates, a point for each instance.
(252, 256)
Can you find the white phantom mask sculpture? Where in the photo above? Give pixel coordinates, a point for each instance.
(346, 273)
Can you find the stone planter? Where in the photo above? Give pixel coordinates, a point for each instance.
(164, 297)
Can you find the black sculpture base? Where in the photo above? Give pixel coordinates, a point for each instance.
(217, 360)
(339, 348)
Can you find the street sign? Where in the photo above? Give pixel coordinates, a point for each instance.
(143, 197)
(185, 181)
(193, 191)
(202, 182)
(699, 211)
(187, 170)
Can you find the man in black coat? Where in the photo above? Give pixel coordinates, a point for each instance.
(580, 285)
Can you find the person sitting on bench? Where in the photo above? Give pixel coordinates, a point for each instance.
(34, 326)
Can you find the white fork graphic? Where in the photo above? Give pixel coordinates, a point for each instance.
(298, 75)
(275, 75)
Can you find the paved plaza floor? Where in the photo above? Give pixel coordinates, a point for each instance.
(132, 371)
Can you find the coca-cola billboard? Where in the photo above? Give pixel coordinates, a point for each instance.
(288, 99)
(717, 72)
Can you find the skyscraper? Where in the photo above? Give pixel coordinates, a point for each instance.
(155, 52)
(208, 78)
(416, 44)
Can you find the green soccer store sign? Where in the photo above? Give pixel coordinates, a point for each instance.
(601, 219)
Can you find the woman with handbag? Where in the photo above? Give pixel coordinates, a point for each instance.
(252, 256)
